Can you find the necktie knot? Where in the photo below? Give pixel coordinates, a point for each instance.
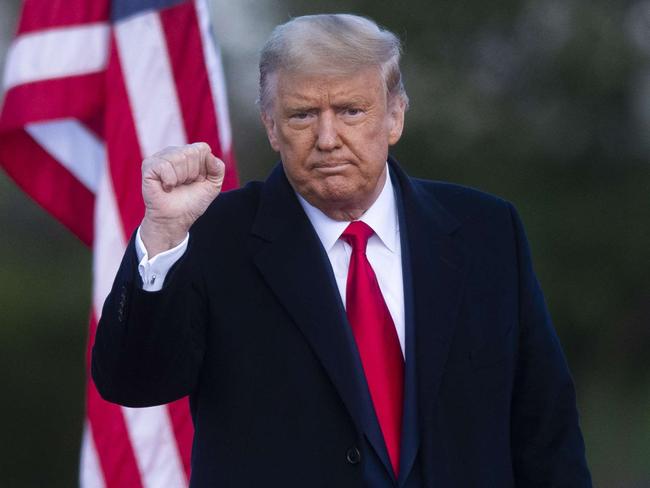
(357, 234)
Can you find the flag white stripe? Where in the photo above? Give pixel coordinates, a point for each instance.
(159, 123)
(57, 53)
(212, 56)
(154, 442)
(150, 83)
(90, 473)
(74, 146)
(109, 241)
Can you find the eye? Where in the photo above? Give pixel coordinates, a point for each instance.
(353, 111)
(300, 119)
(352, 114)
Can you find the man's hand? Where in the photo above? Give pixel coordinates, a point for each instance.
(178, 184)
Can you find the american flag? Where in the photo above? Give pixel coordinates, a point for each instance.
(93, 87)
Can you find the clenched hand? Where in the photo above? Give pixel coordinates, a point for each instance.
(178, 184)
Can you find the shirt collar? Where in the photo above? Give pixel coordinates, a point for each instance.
(381, 217)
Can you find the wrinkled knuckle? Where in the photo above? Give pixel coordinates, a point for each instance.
(187, 158)
(167, 150)
(161, 165)
(202, 147)
(150, 163)
(192, 157)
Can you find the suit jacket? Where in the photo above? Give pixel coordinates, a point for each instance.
(250, 324)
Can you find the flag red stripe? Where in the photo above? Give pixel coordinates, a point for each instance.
(181, 29)
(34, 170)
(110, 434)
(112, 442)
(179, 413)
(47, 14)
(231, 179)
(76, 96)
(123, 147)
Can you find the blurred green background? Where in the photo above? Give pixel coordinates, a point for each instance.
(544, 102)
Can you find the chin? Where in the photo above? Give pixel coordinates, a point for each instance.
(337, 188)
(336, 198)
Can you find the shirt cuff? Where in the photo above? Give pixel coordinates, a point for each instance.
(154, 271)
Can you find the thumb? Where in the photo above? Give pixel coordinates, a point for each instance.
(215, 169)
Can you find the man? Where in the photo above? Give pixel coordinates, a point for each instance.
(340, 324)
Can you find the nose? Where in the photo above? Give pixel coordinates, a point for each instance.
(327, 136)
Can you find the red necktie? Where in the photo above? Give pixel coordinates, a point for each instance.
(376, 338)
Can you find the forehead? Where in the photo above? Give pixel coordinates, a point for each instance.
(366, 83)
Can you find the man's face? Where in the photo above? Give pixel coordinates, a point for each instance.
(333, 135)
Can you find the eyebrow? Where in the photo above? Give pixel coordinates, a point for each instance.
(299, 103)
(351, 103)
(299, 108)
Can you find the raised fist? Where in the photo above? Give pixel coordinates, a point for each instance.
(178, 184)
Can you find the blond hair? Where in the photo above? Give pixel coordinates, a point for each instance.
(330, 44)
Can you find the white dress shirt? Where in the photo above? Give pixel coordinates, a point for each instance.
(384, 253)
(153, 271)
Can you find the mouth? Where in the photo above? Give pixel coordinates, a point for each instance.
(330, 167)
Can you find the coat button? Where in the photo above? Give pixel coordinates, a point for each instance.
(122, 304)
(353, 456)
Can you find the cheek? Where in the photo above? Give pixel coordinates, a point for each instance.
(374, 159)
(370, 142)
(295, 153)
(297, 146)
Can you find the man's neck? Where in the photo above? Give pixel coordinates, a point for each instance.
(381, 216)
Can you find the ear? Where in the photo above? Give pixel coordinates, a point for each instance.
(269, 125)
(396, 107)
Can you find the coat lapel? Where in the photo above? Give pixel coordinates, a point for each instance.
(410, 429)
(433, 287)
(295, 266)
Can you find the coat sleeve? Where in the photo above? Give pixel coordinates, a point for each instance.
(547, 444)
(149, 346)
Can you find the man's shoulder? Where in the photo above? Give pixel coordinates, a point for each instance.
(463, 202)
(486, 223)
